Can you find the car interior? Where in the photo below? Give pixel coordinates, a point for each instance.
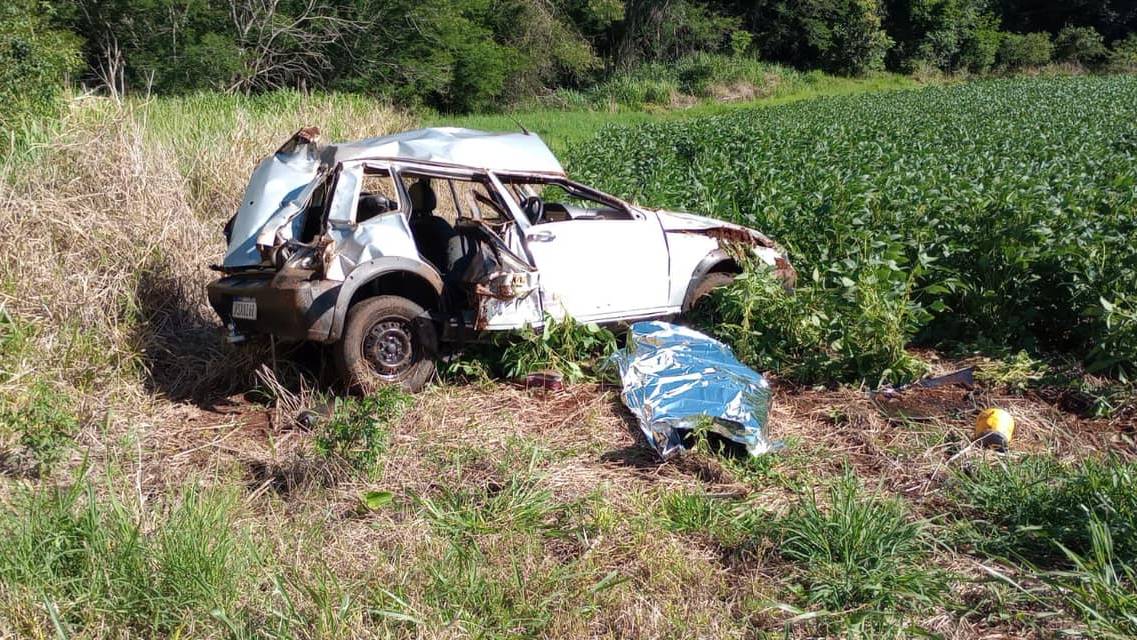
(458, 226)
(561, 200)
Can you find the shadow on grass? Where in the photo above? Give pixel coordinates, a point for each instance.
(185, 356)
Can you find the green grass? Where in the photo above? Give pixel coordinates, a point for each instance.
(72, 559)
(1101, 586)
(859, 557)
(562, 128)
(1036, 508)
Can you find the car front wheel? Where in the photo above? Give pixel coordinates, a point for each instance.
(386, 340)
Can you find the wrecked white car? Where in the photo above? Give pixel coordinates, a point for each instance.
(386, 247)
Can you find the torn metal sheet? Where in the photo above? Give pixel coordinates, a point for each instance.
(675, 379)
(278, 189)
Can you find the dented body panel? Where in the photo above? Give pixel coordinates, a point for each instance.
(278, 184)
(300, 253)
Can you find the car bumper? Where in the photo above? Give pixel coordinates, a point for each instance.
(292, 308)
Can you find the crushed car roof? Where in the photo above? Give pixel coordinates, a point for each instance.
(506, 152)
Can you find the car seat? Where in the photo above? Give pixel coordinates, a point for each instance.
(432, 233)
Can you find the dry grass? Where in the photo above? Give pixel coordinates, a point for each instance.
(112, 224)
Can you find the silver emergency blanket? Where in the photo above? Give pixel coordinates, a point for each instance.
(675, 378)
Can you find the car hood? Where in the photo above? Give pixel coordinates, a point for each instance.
(676, 221)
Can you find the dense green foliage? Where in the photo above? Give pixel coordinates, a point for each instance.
(991, 214)
(464, 55)
(35, 61)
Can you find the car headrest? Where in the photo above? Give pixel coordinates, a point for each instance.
(423, 199)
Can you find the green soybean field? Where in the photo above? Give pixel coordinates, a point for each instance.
(996, 215)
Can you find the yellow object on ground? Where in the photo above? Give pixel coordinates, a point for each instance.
(994, 427)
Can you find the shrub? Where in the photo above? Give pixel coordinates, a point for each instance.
(828, 329)
(980, 49)
(1019, 51)
(35, 62)
(576, 350)
(740, 42)
(358, 430)
(1082, 45)
(1123, 55)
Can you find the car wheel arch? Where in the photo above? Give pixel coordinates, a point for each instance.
(717, 261)
(393, 275)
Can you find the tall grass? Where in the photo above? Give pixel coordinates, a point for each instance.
(118, 215)
(862, 556)
(1037, 509)
(73, 560)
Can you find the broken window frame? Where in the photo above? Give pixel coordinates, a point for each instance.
(521, 182)
(362, 166)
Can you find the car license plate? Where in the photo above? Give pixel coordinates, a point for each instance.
(245, 308)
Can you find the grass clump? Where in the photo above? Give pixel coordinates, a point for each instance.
(515, 505)
(1101, 587)
(861, 556)
(700, 514)
(1037, 509)
(358, 430)
(74, 560)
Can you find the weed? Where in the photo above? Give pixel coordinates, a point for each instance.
(1016, 373)
(860, 554)
(471, 591)
(358, 430)
(1034, 508)
(41, 423)
(576, 350)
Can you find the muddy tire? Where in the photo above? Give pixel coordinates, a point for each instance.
(386, 340)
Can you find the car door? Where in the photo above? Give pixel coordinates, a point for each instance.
(599, 270)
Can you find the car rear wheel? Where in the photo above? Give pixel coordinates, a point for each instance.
(386, 340)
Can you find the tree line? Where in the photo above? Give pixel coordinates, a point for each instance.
(463, 55)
